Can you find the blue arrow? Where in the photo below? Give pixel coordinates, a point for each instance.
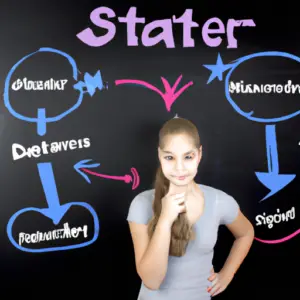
(272, 179)
(55, 211)
(81, 164)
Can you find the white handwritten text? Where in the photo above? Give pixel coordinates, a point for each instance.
(39, 85)
(19, 151)
(276, 218)
(64, 233)
(240, 87)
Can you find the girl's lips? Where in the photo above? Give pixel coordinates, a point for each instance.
(180, 177)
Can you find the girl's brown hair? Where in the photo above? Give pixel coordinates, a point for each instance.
(181, 231)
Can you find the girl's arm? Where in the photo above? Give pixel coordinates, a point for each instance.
(151, 256)
(243, 232)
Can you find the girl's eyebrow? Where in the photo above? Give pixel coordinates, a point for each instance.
(184, 153)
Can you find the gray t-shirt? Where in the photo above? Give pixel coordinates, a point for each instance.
(187, 276)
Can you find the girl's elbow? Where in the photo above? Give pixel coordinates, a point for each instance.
(251, 231)
(148, 283)
(153, 287)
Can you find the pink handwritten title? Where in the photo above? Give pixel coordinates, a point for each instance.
(212, 29)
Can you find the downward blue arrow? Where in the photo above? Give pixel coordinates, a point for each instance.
(55, 211)
(272, 179)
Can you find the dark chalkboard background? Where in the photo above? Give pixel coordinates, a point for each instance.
(122, 122)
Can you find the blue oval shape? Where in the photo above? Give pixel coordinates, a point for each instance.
(49, 249)
(248, 115)
(41, 120)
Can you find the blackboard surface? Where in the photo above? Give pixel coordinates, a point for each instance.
(79, 127)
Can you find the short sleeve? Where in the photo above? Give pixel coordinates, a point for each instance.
(228, 208)
(140, 209)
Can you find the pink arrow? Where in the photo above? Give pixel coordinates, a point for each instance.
(127, 178)
(169, 96)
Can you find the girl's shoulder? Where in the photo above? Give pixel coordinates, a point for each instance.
(224, 204)
(214, 193)
(140, 209)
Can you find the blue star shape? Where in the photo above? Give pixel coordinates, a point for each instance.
(217, 69)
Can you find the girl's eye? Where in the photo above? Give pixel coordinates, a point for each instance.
(168, 157)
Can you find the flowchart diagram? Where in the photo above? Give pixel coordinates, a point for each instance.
(272, 178)
(86, 168)
(55, 210)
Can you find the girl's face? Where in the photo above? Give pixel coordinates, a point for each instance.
(179, 159)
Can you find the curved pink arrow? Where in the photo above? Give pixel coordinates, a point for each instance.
(169, 96)
(280, 240)
(127, 178)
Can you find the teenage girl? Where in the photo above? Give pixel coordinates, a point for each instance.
(174, 226)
